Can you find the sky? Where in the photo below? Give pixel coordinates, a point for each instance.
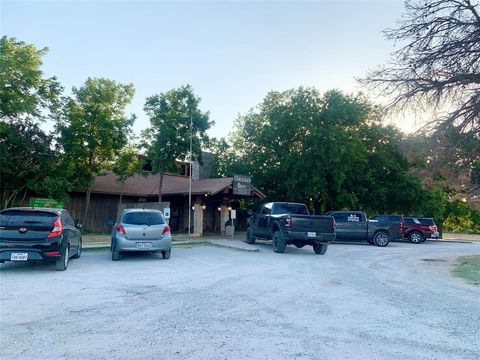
(232, 53)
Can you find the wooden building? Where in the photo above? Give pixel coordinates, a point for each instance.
(211, 200)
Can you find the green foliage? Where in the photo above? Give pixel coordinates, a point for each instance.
(28, 163)
(460, 217)
(93, 127)
(168, 137)
(329, 151)
(127, 164)
(24, 91)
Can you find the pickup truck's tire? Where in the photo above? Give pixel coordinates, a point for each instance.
(250, 238)
(320, 249)
(278, 242)
(415, 237)
(381, 239)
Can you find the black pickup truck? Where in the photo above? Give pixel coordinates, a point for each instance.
(290, 223)
(354, 226)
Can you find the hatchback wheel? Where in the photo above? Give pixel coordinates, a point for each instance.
(166, 254)
(62, 263)
(115, 254)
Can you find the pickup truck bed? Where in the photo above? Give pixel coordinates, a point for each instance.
(354, 226)
(290, 223)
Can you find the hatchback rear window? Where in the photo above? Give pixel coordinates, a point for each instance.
(20, 217)
(143, 218)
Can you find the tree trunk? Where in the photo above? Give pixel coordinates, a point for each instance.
(119, 203)
(160, 184)
(24, 196)
(87, 205)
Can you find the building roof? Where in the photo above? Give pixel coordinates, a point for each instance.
(138, 185)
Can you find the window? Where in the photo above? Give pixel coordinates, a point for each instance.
(143, 218)
(67, 219)
(300, 209)
(22, 217)
(267, 209)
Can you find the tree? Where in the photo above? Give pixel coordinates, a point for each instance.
(94, 128)
(330, 151)
(28, 159)
(174, 117)
(24, 91)
(28, 162)
(437, 66)
(127, 165)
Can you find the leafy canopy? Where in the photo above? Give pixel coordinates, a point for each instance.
(168, 137)
(330, 151)
(94, 128)
(24, 91)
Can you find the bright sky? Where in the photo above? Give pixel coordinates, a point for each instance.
(232, 53)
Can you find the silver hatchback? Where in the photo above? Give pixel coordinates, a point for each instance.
(141, 230)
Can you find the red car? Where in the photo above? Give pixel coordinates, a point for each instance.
(417, 230)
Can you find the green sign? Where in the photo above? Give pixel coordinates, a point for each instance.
(45, 203)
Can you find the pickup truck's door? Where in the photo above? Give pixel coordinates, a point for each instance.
(261, 227)
(351, 226)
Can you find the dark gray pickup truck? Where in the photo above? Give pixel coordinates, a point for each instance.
(290, 223)
(354, 226)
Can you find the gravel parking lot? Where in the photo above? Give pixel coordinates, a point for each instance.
(356, 302)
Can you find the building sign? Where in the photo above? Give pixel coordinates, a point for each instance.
(242, 185)
(166, 213)
(45, 203)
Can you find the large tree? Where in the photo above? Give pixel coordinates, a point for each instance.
(24, 90)
(175, 118)
(437, 68)
(328, 150)
(28, 162)
(28, 159)
(94, 128)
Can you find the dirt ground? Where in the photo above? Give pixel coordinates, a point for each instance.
(206, 302)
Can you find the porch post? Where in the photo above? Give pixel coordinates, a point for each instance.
(197, 219)
(224, 216)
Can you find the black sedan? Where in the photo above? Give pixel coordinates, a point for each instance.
(33, 234)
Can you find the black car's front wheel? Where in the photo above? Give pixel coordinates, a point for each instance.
(320, 249)
(62, 263)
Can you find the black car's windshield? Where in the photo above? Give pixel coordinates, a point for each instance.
(143, 218)
(22, 217)
(285, 208)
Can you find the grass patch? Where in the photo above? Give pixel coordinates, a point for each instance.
(468, 268)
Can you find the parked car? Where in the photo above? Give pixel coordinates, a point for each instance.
(417, 230)
(290, 223)
(354, 226)
(141, 230)
(33, 234)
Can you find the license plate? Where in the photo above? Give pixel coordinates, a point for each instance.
(19, 257)
(144, 245)
(311, 234)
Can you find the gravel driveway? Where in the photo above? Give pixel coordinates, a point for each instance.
(356, 302)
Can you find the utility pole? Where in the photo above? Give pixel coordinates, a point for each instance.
(190, 182)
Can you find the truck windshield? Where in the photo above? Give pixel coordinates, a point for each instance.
(290, 209)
